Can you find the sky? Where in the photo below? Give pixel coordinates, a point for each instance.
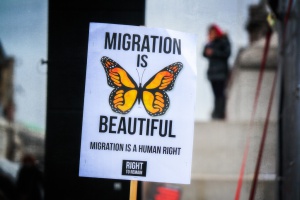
(23, 34)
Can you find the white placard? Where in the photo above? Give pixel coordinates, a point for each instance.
(138, 119)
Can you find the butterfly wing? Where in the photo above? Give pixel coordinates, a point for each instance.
(124, 96)
(154, 96)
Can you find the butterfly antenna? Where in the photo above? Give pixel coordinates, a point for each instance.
(143, 75)
(138, 75)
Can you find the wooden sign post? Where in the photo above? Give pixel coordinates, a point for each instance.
(133, 189)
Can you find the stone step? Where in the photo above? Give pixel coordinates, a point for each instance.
(219, 148)
(217, 187)
(217, 156)
(223, 188)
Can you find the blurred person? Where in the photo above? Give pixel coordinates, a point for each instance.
(9, 111)
(29, 180)
(7, 187)
(217, 51)
(14, 151)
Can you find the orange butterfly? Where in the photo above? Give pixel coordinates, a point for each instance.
(127, 92)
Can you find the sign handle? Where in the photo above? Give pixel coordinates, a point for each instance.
(133, 189)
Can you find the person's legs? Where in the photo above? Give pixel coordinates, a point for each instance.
(220, 100)
(214, 89)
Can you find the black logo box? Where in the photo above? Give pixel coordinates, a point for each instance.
(134, 168)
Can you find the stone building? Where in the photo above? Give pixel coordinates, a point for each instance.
(15, 139)
(6, 84)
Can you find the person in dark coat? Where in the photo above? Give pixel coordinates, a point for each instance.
(217, 51)
(7, 187)
(29, 180)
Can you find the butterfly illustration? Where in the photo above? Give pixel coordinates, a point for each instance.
(126, 91)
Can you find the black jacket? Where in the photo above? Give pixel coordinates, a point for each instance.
(218, 61)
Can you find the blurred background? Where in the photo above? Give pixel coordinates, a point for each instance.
(42, 74)
(23, 44)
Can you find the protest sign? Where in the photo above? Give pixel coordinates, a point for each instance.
(138, 119)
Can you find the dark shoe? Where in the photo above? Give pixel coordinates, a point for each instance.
(218, 115)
